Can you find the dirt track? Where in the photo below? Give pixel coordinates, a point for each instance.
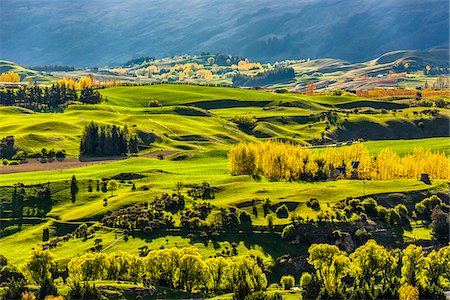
(70, 163)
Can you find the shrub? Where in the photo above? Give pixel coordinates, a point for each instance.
(28, 296)
(310, 286)
(85, 291)
(154, 103)
(337, 93)
(440, 223)
(313, 203)
(47, 288)
(408, 292)
(245, 219)
(370, 206)
(288, 232)
(245, 123)
(282, 212)
(280, 91)
(287, 282)
(260, 295)
(270, 222)
(15, 289)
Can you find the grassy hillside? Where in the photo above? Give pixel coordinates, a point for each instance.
(196, 126)
(26, 75)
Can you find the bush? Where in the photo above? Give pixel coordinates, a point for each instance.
(245, 219)
(440, 223)
(313, 203)
(282, 212)
(408, 292)
(263, 296)
(337, 93)
(310, 286)
(270, 222)
(288, 232)
(245, 123)
(440, 103)
(281, 91)
(287, 282)
(47, 288)
(15, 289)
(154, 103)
(370, 206)
(85, 291)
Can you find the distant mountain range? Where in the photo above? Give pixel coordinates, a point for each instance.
(100, 32)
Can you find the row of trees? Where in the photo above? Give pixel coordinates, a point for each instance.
(372, 272)
(181, 268)
(282, 161)
(54, 68)
(264, 78)
(55, 96)
(108, 140)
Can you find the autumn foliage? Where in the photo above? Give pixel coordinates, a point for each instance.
(9, 77)
(281, 161)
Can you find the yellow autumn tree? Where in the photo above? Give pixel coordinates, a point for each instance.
(84, 82)
(282, 161)
(206, 74)
(10, 77)
(151, 70)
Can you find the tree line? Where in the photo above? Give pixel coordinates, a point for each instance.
(179, 268)
(98, 141)
(264, 78)
(54, 68)
(283, 161)
(53, 97)
(372, 272)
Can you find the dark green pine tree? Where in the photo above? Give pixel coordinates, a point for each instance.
(115, 140)
(73, 188)
(134, 145)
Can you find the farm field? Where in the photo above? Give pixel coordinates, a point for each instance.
(225, 150)
(185, 134)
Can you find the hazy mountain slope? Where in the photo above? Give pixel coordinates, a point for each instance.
(107, 32)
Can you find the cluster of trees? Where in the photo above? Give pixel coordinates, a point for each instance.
(9, 77)
(108, 140)
(181, 268)
(264, 78)
(380, 93)
(372, 272)
(282, 161)
(54, 68)
(55, 96)
(50, 155)
(26, 201)
(138, 61)
(442, 82)
(146, 217)
(204, 191)
(223, 59)
(7, 147)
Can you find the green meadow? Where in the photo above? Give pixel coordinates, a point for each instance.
(196, 124)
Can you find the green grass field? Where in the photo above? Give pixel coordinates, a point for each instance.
(196, 122)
